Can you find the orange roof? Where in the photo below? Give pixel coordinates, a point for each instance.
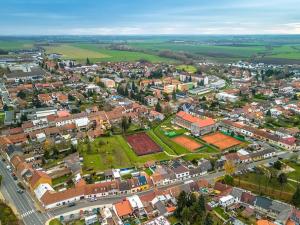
(123, 208)
(53, 197)
(264, 222)
(36, 176)
(16, 160)
(171, 209)
(193, 119)
(63, 113)
(290, 222)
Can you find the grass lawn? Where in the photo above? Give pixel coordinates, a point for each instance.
(55, 222)
(196, 156)
(260, 184)
(221, 212)
(173, 219)
(2, 116)
(60, 180)
(187, 68)
(295, 175)
(113, 152)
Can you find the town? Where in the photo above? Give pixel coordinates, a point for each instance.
(149, 143)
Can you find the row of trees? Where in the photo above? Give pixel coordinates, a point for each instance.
(191, 210)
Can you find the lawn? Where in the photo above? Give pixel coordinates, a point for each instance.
(187, 68)
(55, 222)
(260, 184)
(113, 152)
(295, 175)
(59, 180)
(2, 116)
(221, 212)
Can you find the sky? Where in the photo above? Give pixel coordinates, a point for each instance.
(148, 17)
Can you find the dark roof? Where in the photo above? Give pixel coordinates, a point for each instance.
(13, 149)
(248, 198)
(124, 186)
(263, 202)
(19, 74)
(160, 207)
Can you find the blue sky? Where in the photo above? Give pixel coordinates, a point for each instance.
(112, 17)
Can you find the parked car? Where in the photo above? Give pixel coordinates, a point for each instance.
(20, 191)
(71, 204)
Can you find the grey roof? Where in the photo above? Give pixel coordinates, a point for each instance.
(237, 192)
(263, 202)
(205, 165)
(160, 207)
(19, 74)
(13, 149)
(278, 206)
(284, 215)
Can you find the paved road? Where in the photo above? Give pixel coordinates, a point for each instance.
(23, 202)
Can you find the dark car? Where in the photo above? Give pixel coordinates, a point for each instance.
(20, 191)
(71, 204)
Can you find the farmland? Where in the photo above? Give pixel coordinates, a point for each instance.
(277, 49)
(98, 53)
(14, 45)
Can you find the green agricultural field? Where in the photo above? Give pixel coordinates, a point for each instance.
(203, 49)
(113, 152)
(98, 53)
(73, 52)
(13, 45)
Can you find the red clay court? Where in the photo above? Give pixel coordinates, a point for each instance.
(221, 141)
(187, 143)
(142, 144)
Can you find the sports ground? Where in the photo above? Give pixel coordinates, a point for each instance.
(142, 144)
(221, 141)
(187, 143)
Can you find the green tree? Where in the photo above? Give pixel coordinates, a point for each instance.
(0, 180)
(88, 61)
(185, 215)
(158, 107)
(208, 220)
(21, 94)
(174, 95)
(181, 203)
(277, 165)
(228, 179)
(296, 197)
(282, 179)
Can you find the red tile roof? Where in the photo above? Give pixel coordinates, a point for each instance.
(193, 119)
(123, 208)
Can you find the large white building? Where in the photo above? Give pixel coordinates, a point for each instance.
(223, 96)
